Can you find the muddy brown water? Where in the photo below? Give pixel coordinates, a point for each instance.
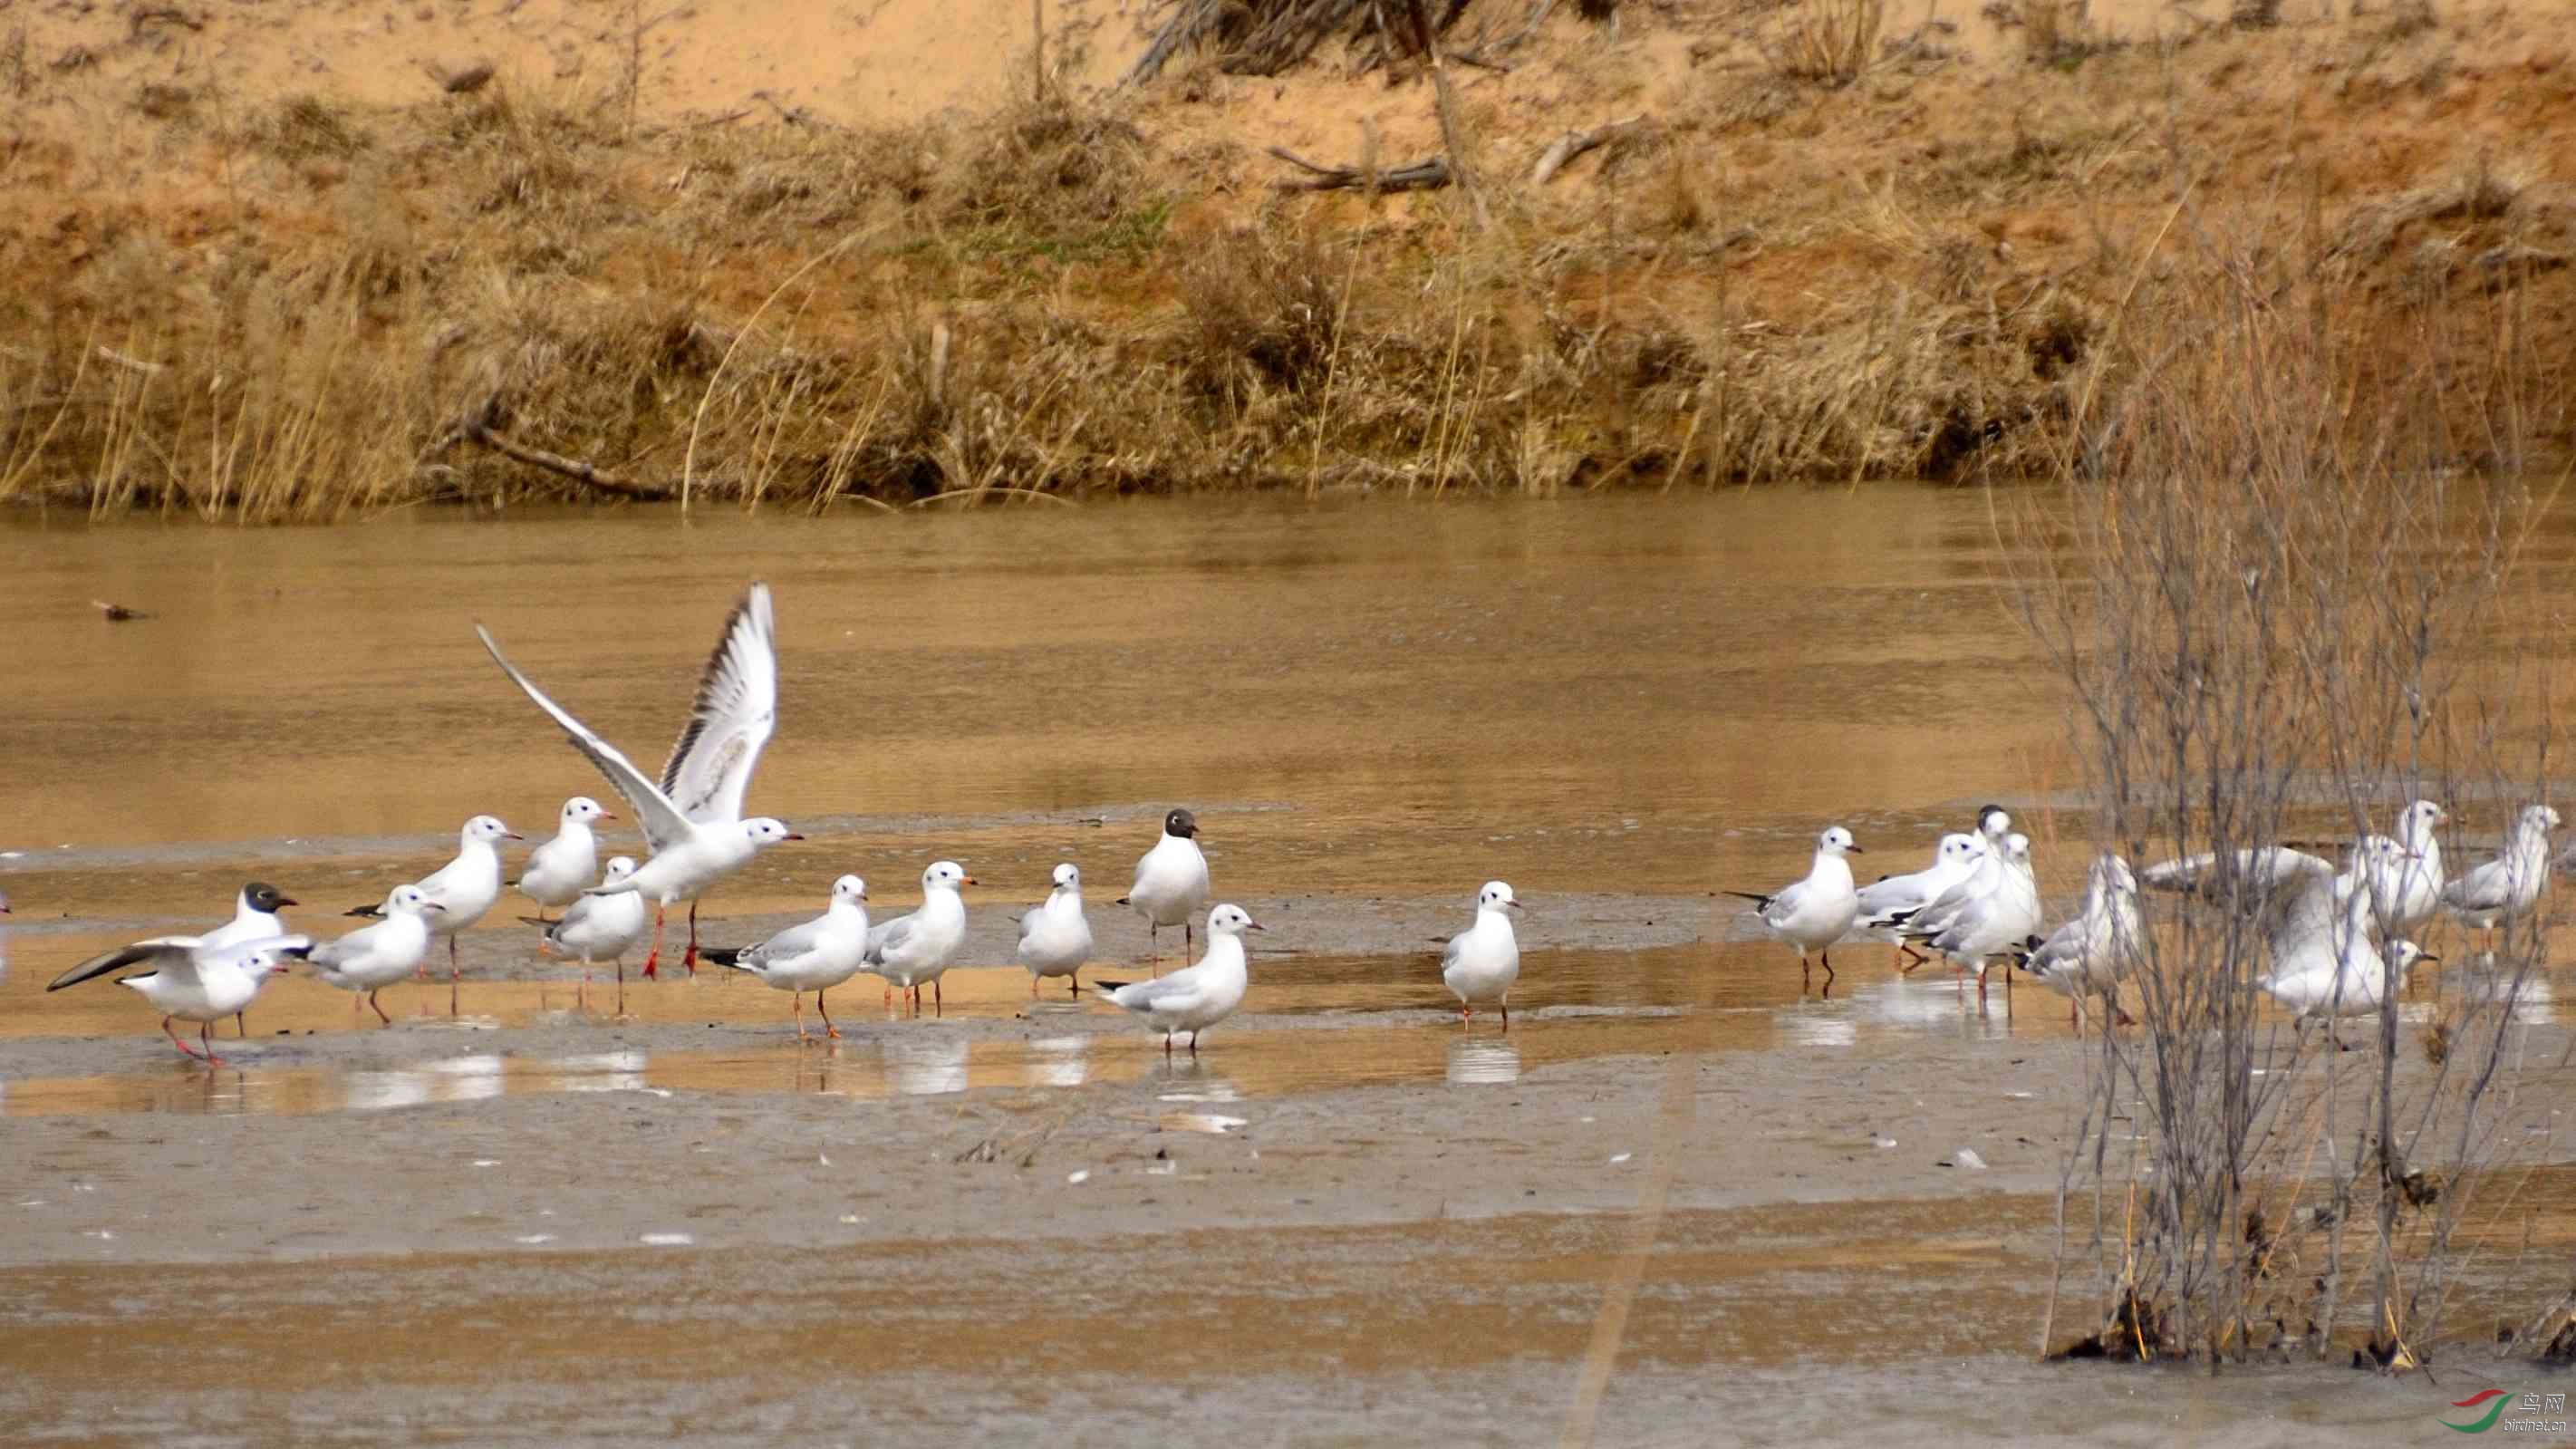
(1621, 706)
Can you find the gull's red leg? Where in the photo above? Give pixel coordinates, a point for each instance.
(689, 958)
(653, 957)
(830, 1031)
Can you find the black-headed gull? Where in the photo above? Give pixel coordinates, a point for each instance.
(916, 950)
(373, 957)
(1171, 882)
(465, 889)
(255, 918)
(190, 981)
(693, 819)
(1055, 937)
(560, 868)
(2505, 889)
(1196, 997)
(2092, 953)
(600, 928)
(2325, 963)
(1481, 962)
(816, 956)
(1977, 921)
(1886, 903)
(1813, 913)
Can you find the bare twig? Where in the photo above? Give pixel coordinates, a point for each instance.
(1428, 174)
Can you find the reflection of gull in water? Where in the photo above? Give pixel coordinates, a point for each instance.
(459, 1079)
(375, 1091)
(925, 1067)
(1057, 1061)
(1483, 1061)
(603, 1072)
(1830, 1031)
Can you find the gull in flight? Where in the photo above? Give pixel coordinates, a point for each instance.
(915, 950)
(561, 868)
(373, 957)
(191, 981)
(693, 819)
(1813, 913)
(2092, 953)
(1055, 938)
(1171, 882)
(463, 889)
(816, 956)
(1193, 998)
(2505, 889)
(597, 927)
(1482, 961)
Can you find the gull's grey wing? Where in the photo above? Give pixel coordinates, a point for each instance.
(794, 941)
(886, 937)
(159, 952)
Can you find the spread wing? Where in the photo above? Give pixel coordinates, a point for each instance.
(160, 953)
(663, 823)
(736, 708)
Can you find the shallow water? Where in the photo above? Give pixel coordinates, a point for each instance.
(1621, 706)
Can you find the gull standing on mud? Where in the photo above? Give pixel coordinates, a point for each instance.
(1171, 883)
(1055, 937)
(1483, 961)
(371, 958)
(1885, 904)
(596, 927)
(1972, 929)
(255, 918)
(2504, 890)
(191, 981)
(2324, 963)
(560, 869)
(816, 956)
(1193, 998)
(693, 819)
(2091, 954)
(914, 950)
(1813, 913)
(463, 889)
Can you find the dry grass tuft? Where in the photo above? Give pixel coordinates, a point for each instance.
(1831, 42)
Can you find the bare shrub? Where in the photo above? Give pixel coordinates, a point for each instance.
(2284, 632)
(1831, 42)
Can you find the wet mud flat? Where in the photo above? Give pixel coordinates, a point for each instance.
(1418, 1261)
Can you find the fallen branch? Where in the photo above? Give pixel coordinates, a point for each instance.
(588, 475)
(1428, 174)
(1575, 143)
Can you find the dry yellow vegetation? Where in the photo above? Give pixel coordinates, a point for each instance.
(267, 265)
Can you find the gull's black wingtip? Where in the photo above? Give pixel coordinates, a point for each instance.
(371, 912)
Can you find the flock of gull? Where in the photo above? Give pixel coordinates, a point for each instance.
(693, 824)
(2337, 940)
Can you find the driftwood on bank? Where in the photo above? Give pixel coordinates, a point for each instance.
(1574, 143)
(1428, 174)
(589, 475)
